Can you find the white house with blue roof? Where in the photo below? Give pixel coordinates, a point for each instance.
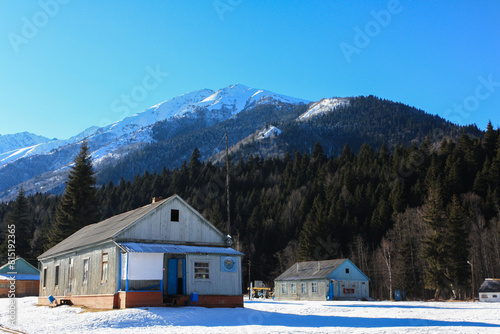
(164, 253)
(336, 279)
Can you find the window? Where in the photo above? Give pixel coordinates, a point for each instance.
(174, 215)
(70, 274)
(348, 291)
(2, 285)
(104, 268)
(45, 277)
(202, 270)
(294, 288)
(85, 278)
(314, 287)
(304, 288)
(347, 270)
(56, 279)
(494, 296)
(283, 288)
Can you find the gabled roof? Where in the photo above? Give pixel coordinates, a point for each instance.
(106, 229)
(20, 266)
(310, 270)
(490, 285)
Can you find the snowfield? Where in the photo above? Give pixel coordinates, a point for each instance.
(262, 316)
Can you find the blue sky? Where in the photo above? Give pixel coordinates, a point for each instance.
(67, 65)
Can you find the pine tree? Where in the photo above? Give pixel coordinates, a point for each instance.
(194, 165)
(457, 247)
(78, 205)
(435, 245)
(20, 220)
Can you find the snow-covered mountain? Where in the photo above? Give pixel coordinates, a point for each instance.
(322, 107)
(27, 163)
(20, 140)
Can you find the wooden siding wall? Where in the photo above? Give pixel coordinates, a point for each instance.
(189, 228)
(309, 295)
(220, 283)
(94, 285)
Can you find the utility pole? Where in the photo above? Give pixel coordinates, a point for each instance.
(249, 280)
(228, 223)
(471, 262)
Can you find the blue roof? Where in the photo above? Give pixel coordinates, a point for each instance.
(20, 277)
(136, 247)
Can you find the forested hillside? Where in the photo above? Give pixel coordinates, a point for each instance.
(410, 217)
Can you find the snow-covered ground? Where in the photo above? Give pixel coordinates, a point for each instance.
(262, 316)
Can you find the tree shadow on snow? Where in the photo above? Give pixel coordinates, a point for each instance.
(244, 317)
(401, 306)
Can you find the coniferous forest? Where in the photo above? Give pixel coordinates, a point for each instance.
(414, 218)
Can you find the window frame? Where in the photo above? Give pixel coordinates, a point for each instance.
(283, 288)
(104, 267)
(56, 274)
(44, 277)
(196, 270)
(175, 215)
(314, 287)
(86, 271)
(347, 270)
(303, 288)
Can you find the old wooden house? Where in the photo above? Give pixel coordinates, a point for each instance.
(490, 290)
(322, 280)
(19, 276)
(159, 254)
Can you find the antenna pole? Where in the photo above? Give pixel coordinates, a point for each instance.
(228, 224)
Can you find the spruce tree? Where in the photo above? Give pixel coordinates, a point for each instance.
(457, 246)
(435, 252)
(20, 221)
(78, 205)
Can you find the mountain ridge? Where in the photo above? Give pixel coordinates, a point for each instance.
(166, 133)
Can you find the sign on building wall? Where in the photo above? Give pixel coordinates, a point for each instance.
(229, 263)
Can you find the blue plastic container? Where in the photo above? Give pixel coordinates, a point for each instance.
(194, 297)
(51, 299)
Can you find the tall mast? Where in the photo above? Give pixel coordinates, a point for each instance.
(228, 223)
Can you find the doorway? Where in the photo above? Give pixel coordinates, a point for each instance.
(176, 276)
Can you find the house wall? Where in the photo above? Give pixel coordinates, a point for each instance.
(350, 289)
(191, 228)
(94, 286)
(353, 283)
(220, 282)
(299, 295)
(489, 297)
(23, 288)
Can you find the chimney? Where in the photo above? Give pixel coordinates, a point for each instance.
(156, 199)
(319, 265)
(297, 267)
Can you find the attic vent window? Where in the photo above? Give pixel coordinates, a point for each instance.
(174, 215)
(347, 270)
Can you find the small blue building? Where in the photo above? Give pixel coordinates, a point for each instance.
(322, 280)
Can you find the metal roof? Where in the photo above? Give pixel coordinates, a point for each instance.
(490, 285)
(310, 270)
(20, 277)
(137, 247)
(103, 230)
